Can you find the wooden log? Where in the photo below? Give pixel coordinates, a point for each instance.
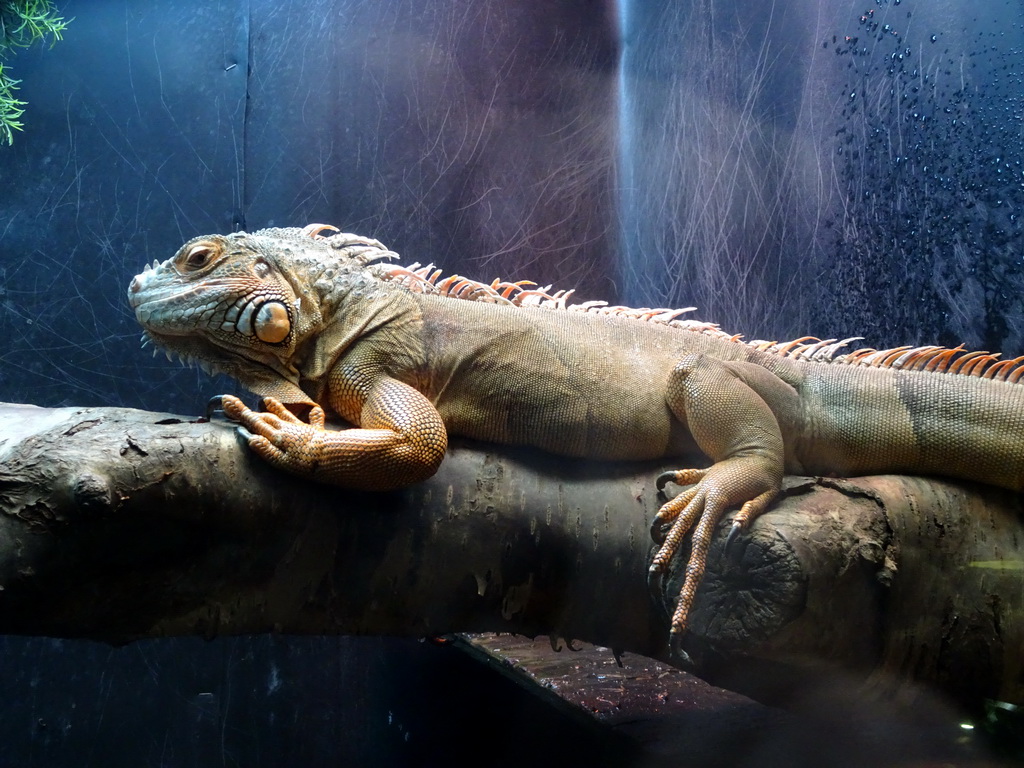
(119, 524)
(881, 581)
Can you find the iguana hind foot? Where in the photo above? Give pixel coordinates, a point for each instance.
(723, 405)
(699, 509)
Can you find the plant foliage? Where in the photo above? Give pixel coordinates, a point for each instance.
(22, 23)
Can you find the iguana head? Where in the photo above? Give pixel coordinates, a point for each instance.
(241, 304)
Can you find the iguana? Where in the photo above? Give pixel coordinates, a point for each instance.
(321, 324)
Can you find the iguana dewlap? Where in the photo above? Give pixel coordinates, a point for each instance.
(317, 324)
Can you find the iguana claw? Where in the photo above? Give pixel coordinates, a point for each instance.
(730, 539)
(664, 479)
(675, 645)
(656, 589)
(215, 404)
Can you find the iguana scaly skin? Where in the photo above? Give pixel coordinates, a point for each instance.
(316, 324)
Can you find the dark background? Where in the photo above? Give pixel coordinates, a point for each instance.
(793, 167)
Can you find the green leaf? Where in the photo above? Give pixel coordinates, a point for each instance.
(22, 23)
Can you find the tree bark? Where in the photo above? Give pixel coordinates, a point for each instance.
(119, 524)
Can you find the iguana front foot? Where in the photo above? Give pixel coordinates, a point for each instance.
(278, 435)
(698, 509)
(390, 449)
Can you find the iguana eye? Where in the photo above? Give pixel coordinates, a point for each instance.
(198, 256)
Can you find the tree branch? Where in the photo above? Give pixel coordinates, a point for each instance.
(119, 524)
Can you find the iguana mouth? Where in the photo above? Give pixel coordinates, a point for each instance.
(150, 310)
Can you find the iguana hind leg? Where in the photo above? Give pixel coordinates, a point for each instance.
(734, 426)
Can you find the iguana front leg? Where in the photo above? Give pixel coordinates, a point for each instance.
(733, 425)
(401, 439)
